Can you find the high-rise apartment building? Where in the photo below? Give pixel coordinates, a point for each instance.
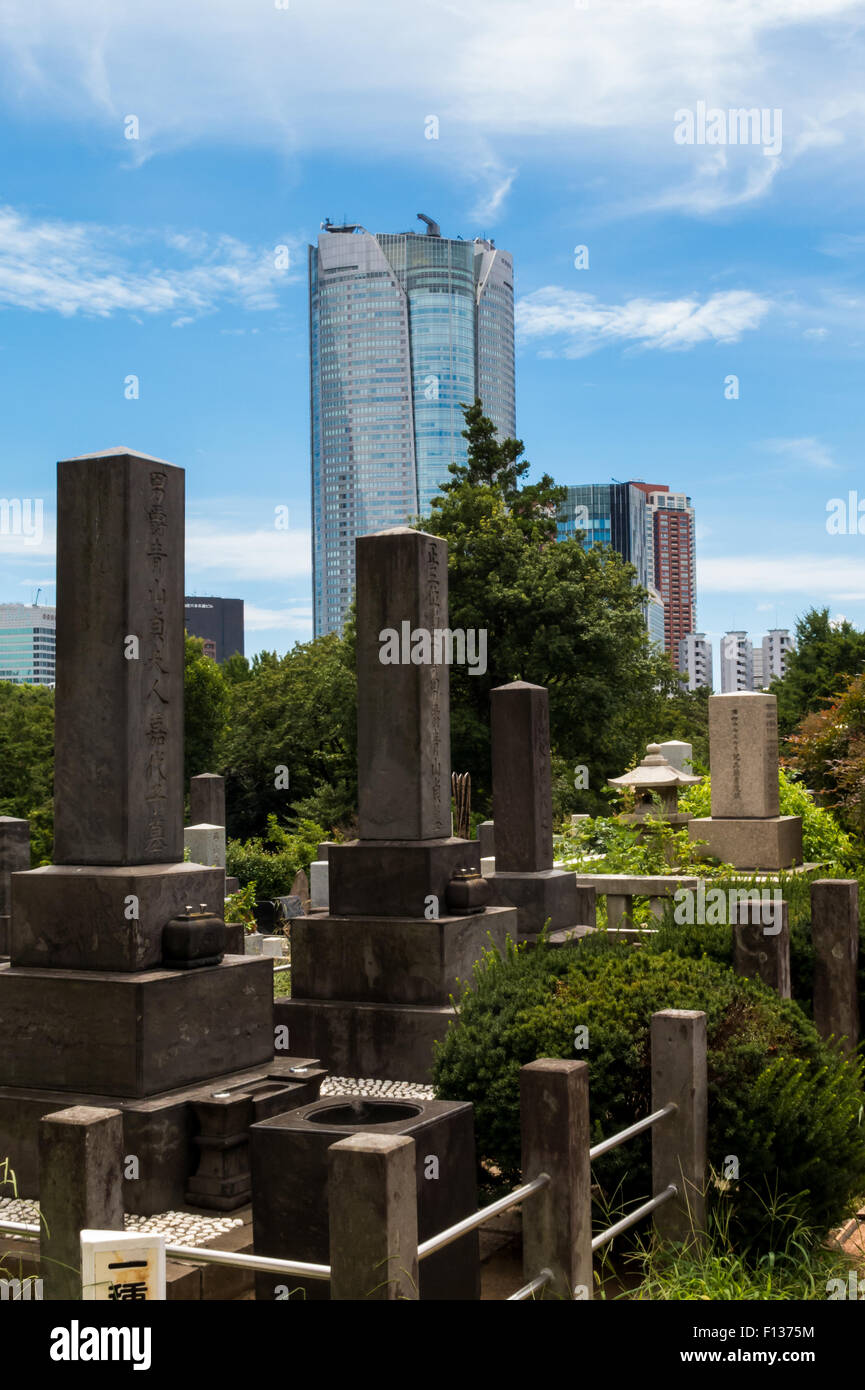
(404, 329)
(777, 644)
(671, 558)
(27, 643)
(694, 660)
(737, 664)
(757, 668)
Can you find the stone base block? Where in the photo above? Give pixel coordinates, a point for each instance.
(159, 1132)
(206, 844)
(319, 894)
(5, 935)
(392, 960)
(290, 1188)
(546, 894)
(77, 917)
(133, 1035)
(388, 1042)
(775, 843)
(395, 878)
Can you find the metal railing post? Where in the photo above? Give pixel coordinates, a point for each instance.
(557, 1220)
(679, 1140)
(372, 1197)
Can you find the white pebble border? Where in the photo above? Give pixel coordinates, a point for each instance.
(181, 1227)
(367, 1086)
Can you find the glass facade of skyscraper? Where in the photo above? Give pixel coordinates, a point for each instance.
(404, 329)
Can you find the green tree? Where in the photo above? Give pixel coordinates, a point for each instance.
(555, 614)
(289, 747)
(27, 762)
(826, 652)
(205, 703)
(685, 716)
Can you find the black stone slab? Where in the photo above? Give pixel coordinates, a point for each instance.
(393, 1042)
(74, 917)
(133, 1035)
(392, 960)
(522, 781)
(289, 1192)
(118, 763)
(403, 710)
(538, 897)
(392, 878)
(14, 856)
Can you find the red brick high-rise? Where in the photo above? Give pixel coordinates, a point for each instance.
(671, 556)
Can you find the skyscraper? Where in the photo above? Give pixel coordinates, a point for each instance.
(611, 514)
(404, 329)
(671, 558)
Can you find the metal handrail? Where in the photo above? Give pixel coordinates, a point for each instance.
(625, 1134)
(278, 968)
(633, 1217)
(192, 1254)
(19, 1228)
(533, 1287)
(479, 1218)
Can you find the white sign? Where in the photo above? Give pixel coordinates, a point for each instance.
(116, 1267)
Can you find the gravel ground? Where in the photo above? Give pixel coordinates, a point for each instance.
(182, 1227)
(366, 1086)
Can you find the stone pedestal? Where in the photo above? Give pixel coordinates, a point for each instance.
(206, 844)
(523, 875)
(290, 1188)
(745, 829)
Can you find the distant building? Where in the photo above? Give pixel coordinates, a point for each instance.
(219, 621)
(611, 514)
(737, 662)
(671, 559)
(757, 668)
(27, 644)
(655, 617)
(777, 645)
(404, 329)
(695, 660)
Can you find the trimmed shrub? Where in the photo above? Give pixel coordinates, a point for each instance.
(787, 1105)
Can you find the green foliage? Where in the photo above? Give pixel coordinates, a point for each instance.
(650, 848)
(800, 1268)
(822, 837)
(240, 906)
(299, 712)
(205, 701)
(788, 1105)
(554, 613)
(685, 716)
(271, 861)
(27, 762)
(828, 749)
(825, 654)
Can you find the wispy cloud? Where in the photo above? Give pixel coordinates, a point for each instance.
(295, 619)
(74, 268)
(807, 450)
(834, 577)
(582, 324)
(260, 553)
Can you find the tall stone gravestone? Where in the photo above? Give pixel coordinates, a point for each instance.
(372, 980)
(207, 799)
(14, 857)
(745, 828)
(523, 817)
(88, 1015)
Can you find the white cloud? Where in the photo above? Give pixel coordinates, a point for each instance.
(74, 267)
(227, 69)
(583, 324)
(256, 619)
(807, 450)
(836, 576)
(261, 553)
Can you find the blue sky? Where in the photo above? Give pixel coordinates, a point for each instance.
(157, 257)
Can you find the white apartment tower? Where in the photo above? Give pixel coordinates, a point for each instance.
(695, 660)
(737, 664)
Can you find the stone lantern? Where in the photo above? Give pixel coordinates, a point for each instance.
(655, 775)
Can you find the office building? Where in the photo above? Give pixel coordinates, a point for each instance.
(404, 329)
(219, 621)
(671, 559)
(737, 663)
(611, 514)
(27, 643)
(694, 660)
